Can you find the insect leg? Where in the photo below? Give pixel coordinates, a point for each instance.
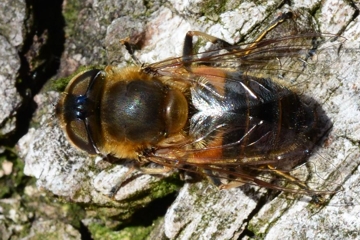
(290, 178)
(155, 171)
(188, 50)
(232, 184)
(316, 197)
(120, 182)
(273, 25)
(144, 170)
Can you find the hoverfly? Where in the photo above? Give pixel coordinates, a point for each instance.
(218, 113)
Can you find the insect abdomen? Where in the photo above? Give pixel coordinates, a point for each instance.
(259, 121)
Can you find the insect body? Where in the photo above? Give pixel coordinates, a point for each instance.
(216, 113)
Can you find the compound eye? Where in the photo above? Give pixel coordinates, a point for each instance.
(78, 135)
(76, 110)
(80, 83)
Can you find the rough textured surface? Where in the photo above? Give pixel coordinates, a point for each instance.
(12, 14)
(200, 211)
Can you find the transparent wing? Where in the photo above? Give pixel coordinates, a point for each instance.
(252, 151)
(288, 59)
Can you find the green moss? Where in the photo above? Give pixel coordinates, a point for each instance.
(16, 181)
(119, 214)
(212, 9)
(75, 214)
(99, 231)
(48, 235)
(71, 13)
(167, 186)
(58, 85)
